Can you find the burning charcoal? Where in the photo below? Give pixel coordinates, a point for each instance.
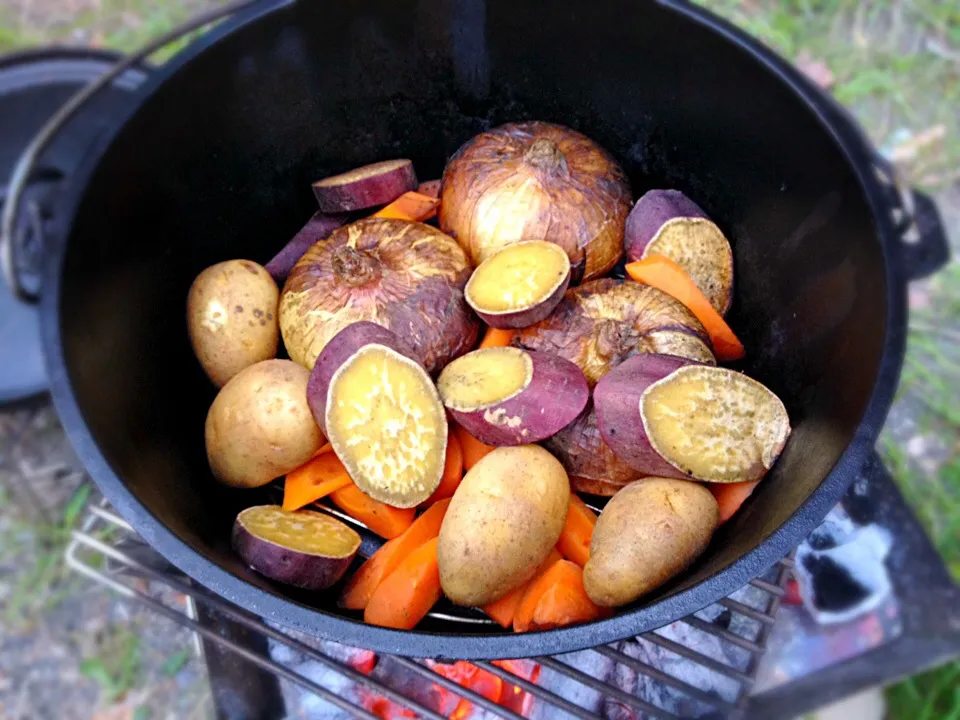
(846, 581)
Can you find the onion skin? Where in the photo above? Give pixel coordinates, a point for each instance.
(405, 276)
(537, 181)
(590, 463)
(603, 322)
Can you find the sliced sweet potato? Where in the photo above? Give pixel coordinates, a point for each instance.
(666, 416)
(317, 228)
(307, 549)
(667, 222)
(603, 322)
(520, 284)
(507, 396)
(365, 187)
(382, 413)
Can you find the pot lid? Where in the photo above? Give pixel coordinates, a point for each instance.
(33, 85)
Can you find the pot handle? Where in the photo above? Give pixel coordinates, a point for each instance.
(26, 164)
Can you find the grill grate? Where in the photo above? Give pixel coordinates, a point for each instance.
(107, 550)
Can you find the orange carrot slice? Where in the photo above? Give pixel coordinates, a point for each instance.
(452, 471)
(497, 337)
(565, 603)
(574, 542)
(730, 496)
(368, 576)
(664, 274)
(384, 561)
(471, 448)
(317, 478)
(505, 608)
(556, 597)
(385, 520)
(410, 206)
(407, 594)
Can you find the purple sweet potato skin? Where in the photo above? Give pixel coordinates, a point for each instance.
(651, 211)
(616, 399)
(554, 398)
(525, 318)
(311, 572)
(317, 228)
(365, 192)
(343, 345)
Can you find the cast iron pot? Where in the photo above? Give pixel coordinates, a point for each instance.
(214, 160)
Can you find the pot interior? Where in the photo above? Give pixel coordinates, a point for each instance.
(218, 162)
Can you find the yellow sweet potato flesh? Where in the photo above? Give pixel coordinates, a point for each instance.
(304, 531)
(518, 277)
(699, 247)
(484, 378)
(714, 424)
(387, 425)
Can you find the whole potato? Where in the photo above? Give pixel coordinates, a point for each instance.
(648, 532)
(501, 524)
(259, 426)
(232, 318)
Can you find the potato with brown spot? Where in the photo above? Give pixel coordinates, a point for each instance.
(260, 426)
(649, 532)
(502, 522)
(232, 318)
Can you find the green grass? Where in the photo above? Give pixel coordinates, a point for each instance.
(42, 585)
(116, 666)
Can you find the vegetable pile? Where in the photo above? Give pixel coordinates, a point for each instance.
(454, 388)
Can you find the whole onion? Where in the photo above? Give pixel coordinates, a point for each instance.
(537, 181)
(405, 276)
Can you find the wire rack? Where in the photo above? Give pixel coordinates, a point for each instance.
(107, 550)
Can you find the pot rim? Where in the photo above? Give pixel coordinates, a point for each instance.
(466, 646)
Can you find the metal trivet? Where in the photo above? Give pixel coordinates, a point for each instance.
(108, 551)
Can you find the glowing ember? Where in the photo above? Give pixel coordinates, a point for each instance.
(364, 661)
(448, 702)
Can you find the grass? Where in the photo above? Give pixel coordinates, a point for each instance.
(42, 585)
(896, 65)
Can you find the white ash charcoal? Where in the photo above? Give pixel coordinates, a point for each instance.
(653, 691)
(588, 662)
(753, 597)
(841, 583)
(683, 669)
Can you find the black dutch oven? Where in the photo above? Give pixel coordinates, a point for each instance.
(213, 158)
